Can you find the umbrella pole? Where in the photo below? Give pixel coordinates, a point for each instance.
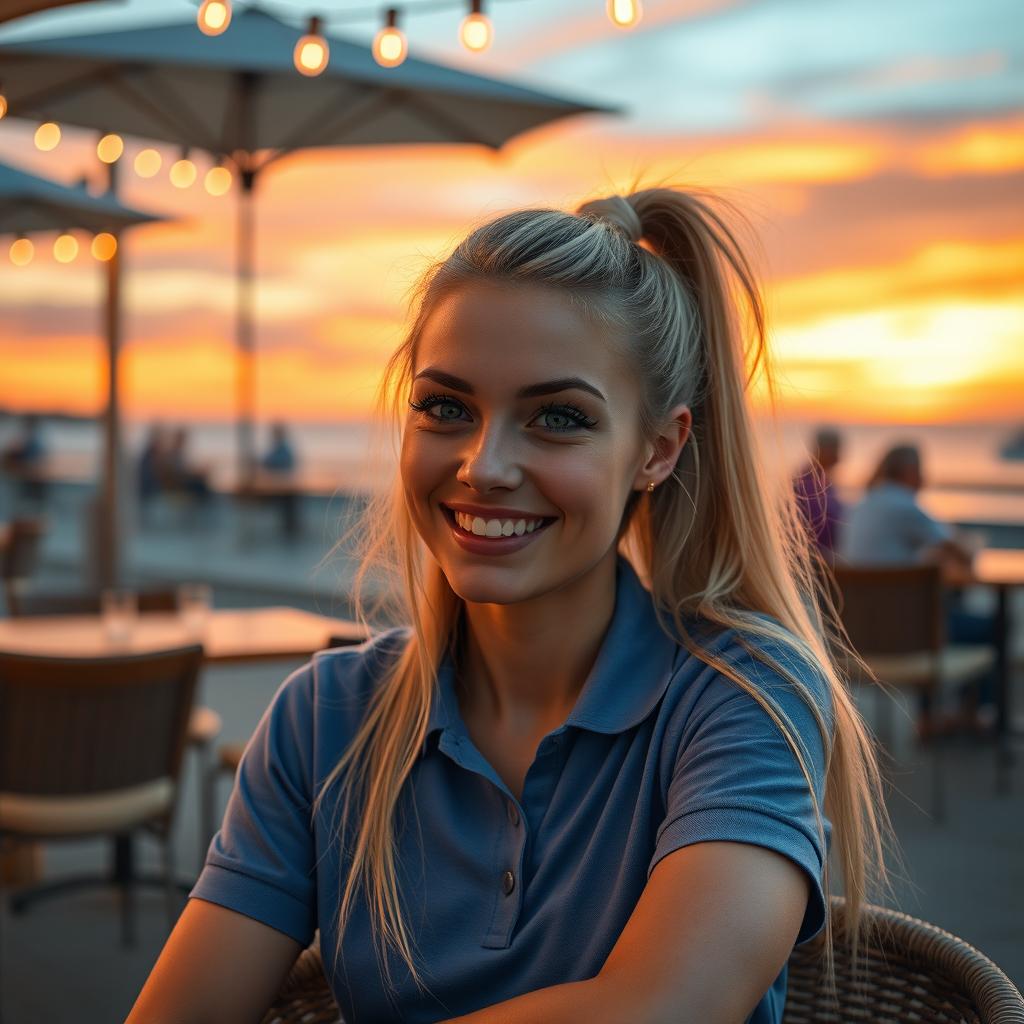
(244, 328)
(109, 510)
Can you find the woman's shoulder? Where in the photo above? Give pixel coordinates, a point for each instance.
(342, 679)
(762, 652)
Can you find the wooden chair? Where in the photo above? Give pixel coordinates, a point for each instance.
(906, 970)
(93, 746)
(894, 618)
(204, 725)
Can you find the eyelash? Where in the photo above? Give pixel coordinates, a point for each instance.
(573, 412)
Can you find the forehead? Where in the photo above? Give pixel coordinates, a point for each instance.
(500, 337)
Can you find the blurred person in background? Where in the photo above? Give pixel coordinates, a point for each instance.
(889, 527)
(280, 456)
(22, 460)
(816, 492)
(152, 466)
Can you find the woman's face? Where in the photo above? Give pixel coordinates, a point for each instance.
(525, 414)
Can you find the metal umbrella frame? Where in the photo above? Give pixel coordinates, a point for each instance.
(31, 204)
(238, 97)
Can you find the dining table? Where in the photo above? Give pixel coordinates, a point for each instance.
(228, 635)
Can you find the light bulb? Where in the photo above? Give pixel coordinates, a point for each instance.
(624, 13)
(147, 163)
(217, 180)
(3, 105)
(389, 45)
(47, 136)
(110, 148)
(104, 245)
(311, 51)
(214, 16)
(22, 251)
(183, 173)
(65, 248)
(476, 32)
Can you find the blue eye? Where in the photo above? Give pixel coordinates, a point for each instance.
(572, 416)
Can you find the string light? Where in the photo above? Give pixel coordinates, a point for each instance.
(110, 148)
(22, 251)
(65, 248)
(103, 247)
(183, 171)
(311, 51)
(217, 180)
(147, 163)
(476, 31)
(624, 13)
(389, 45)
(214, 16)
(3, 105)
(47, 136)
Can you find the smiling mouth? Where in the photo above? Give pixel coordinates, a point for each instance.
(545, 522)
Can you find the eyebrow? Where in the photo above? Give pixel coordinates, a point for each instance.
(548, 387)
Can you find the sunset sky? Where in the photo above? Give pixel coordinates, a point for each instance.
(877, 146)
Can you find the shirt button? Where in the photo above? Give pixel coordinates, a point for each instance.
(513, 814)
(508, 883)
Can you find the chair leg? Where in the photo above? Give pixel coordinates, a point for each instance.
(124, 878)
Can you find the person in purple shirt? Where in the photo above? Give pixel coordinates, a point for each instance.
(816, 495)
(596, 770)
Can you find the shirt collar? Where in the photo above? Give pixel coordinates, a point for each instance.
(628, 678)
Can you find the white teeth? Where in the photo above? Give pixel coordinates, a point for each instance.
(495, 527)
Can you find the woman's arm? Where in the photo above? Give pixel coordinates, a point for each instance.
(713, 928)
(218, 967)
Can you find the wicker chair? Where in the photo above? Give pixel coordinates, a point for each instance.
(908, 970)
(93, 747)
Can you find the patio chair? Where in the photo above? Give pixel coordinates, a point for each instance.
(204, 725)
(19, 556)
(92, 747)
(906, 970)
(894, 618)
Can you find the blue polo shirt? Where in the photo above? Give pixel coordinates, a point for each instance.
(506, 896)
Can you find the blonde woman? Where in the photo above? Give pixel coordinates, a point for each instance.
(597, 775)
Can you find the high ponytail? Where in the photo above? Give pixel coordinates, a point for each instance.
(718, 539)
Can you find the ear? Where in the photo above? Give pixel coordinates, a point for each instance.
(664, 453)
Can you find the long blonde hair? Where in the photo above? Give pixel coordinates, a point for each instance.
(717, 539)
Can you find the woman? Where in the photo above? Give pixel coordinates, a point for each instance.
(621, 798)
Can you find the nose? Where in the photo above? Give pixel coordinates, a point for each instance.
(489, 461)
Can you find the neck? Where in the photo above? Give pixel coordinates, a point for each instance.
(524, 664)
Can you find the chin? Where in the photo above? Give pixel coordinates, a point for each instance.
(484, 585)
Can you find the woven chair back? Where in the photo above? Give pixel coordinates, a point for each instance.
(79, 726)
(28, 603)
(906, 970)
(891, 609)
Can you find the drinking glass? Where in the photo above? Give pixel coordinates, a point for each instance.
(194, 603)
(119, 610)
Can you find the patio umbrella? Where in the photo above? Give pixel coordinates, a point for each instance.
(239, 97)
(31, 204)
(11, 9)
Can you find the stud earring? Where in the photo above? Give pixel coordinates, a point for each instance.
(650, 487)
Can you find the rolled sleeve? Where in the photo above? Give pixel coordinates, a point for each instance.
(262, 861)
(737, 780)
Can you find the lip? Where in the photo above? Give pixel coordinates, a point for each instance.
(492, 512)
(491, 545)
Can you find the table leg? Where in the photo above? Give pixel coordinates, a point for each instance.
(1004, 712)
